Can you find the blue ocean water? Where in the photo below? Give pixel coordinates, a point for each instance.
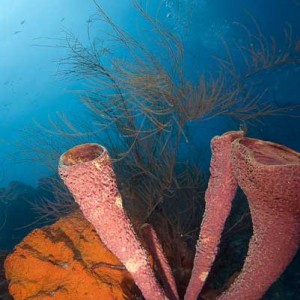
(40, 97)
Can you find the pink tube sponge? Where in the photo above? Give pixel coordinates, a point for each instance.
(164, 269)
(87, 172)
(221, 190)
(269, 175)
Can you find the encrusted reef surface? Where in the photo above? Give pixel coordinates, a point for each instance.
(67, 261)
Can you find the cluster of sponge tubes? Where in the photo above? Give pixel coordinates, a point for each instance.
(269, 175)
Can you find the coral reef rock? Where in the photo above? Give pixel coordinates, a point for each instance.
(67, 261)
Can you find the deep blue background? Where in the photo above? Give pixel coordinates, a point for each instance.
(30, 88)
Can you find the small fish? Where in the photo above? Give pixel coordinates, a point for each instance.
(22, 22)
(62, 19)
(243, 127)
(18, 31)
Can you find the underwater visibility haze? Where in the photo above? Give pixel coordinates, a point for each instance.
(150, 149)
